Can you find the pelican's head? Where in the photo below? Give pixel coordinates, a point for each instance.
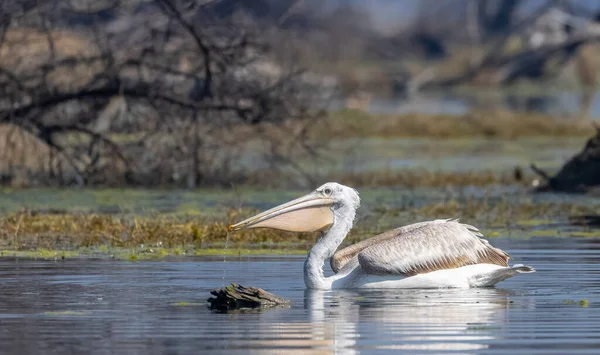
(309, 213)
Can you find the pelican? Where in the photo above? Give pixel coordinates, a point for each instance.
(441, 253)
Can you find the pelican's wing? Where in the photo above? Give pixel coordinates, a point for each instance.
(420, 248)
(428, 247)
(343, 256)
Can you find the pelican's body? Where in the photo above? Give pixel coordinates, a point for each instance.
(477, 275)
(435, 254)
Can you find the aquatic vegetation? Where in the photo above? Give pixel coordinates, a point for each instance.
(187, 304)
(582, 303)
(488, 212)
(59, 236)
(155, 236)
(477, 123)
(388, 177)
(41, 253)
(585, 234)
(424, 178)
(277, 250)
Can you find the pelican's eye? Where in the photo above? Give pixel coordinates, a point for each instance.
(327, 191)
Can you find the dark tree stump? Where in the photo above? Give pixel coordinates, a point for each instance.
(580, 174)
(585, 220)
(241, 297)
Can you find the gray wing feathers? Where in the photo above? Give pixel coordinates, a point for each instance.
(343, 256)
(440, 244)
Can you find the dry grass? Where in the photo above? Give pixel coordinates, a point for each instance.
(34, 232)
(31, 231)
(494, 213)
(385, 178)
(418, 178)
(489, 124)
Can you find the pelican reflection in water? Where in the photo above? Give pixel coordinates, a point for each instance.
(436, 254)
(457, 320)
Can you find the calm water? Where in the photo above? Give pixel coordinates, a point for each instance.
(101, 307)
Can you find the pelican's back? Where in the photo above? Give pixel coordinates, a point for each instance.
(421, 248)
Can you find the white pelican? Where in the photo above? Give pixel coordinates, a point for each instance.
(437, 254)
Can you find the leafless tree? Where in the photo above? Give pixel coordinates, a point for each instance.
(142, 92)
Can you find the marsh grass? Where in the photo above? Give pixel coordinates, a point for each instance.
(425, 178)
(166, 234)
(409, 178)
(494, 213)
(477, 123)
(59, 236)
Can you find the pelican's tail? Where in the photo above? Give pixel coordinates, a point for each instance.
(501, 274)
(520, 268)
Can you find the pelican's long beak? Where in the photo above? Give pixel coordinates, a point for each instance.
(309, 213)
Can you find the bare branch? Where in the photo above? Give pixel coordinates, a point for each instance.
(170, 9)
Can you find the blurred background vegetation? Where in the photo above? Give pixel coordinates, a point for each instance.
(192, 93)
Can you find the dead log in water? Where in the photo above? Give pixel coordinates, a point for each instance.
(588, 220)
(580, 174)
(240, 297)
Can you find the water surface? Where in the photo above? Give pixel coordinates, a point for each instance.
(101, 307)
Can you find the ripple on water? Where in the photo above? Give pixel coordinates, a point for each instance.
(120, 306)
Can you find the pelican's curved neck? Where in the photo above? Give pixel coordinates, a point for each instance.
(324, 249)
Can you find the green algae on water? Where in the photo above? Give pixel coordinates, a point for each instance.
(186, 304)
(582, 303)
